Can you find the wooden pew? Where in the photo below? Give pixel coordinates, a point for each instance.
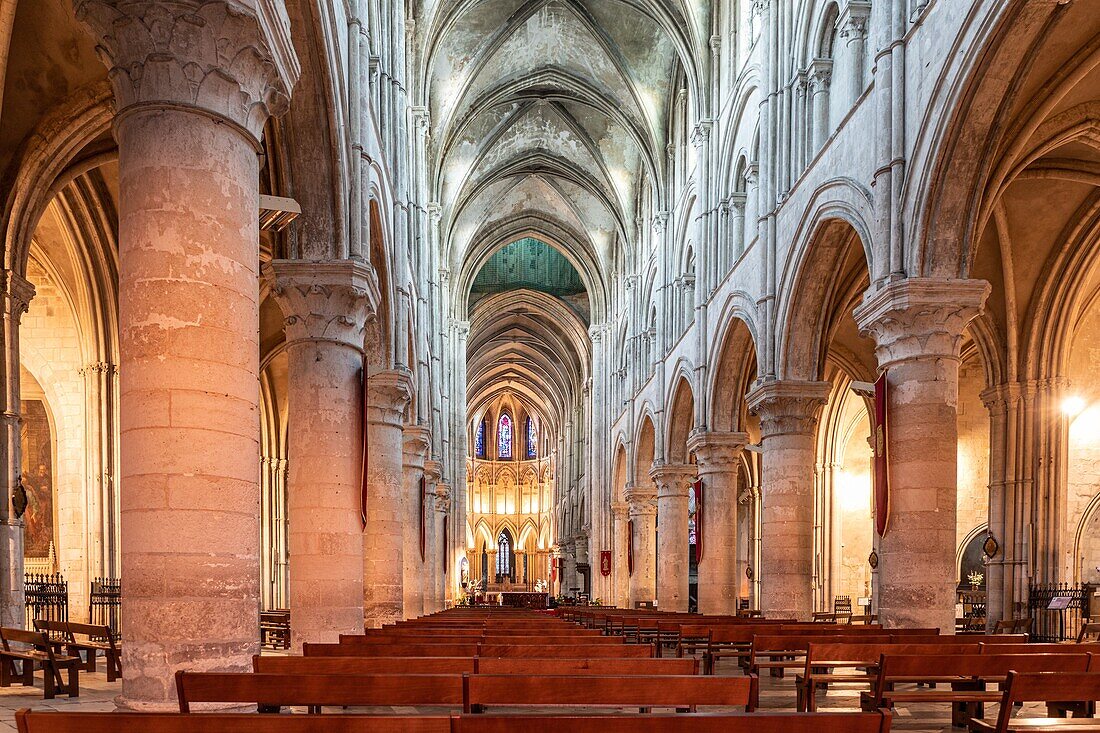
(43, 721)
(664, 723)
(966, 673)
(640, 691)
(97, 639)
(38, 652)
(447, 638)
(854, 663)
(618, 667)
(272, 691)
(1051, 688)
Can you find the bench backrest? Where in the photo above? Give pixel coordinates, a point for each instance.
(1040, 648)
(876, 722)
(567, 651)
(624, 667)
(318, 689)
(363, 665)
(931, 666)
(37, 639)
(389, 650)
(860, 653)
(1046, 687)
(598, 690)
(43, 721)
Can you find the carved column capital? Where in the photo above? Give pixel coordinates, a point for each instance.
(433, 471)
(620, 510)
(920, 318)
(442, 498)
(820, 75)
(416, 446)
(641, 499)
(787, 407)
(329, 300)
(717, 451)
(18, 294)
(232, 59)
(673, 479)
(388, 394)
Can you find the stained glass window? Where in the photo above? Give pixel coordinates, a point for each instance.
(504, 554)
(532, 439)
(504, 436)
(479, 441)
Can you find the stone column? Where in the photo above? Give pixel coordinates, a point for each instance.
(415, 583)
(325, 307)
(18, 292)
(821, 75)
(719, 457)
(853, 29)
(388, 395)
(581, 556)
(788, 417)
(194, 82)
(433, 553)
(619, 567)
(642, 501)
(673, 486)
(918, 325)
(442, 505)
(569, 567)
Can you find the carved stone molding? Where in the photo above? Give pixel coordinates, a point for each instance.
(788, 407)
(442, 498)
(717, 451)
(232, 59)
(641, 500)
(920, 318)
(328, 300)
(388, 394)
(620, 510)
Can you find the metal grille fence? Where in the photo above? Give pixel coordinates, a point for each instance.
(1059, 610)
(47, 597)
(106, 604)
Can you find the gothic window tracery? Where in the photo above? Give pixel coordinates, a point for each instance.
(504, 437)
(532, 439)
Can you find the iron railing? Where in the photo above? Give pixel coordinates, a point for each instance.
(105, 604)
(1058, 610)
(46, 597)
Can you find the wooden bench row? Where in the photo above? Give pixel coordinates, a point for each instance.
(473, 665)
(473, 693)
(551, 651)
(38, 721)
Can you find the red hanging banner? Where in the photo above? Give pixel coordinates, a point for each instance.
(881, 452)
(444, 548)
(423, 519)
(630, 547)
(605, 562)
(697, 489)
(366, 457)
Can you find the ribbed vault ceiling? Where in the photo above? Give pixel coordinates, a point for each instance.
(548, 119)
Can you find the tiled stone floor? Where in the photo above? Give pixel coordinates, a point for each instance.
(775, 694)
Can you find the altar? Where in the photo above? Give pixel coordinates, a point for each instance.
(515, 599)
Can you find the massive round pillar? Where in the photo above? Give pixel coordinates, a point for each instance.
(918, 329)
(194, 82)
(325, 307)
(788, 417)
(673, 486)
(719, 460)
(388, 394)
(642, 500)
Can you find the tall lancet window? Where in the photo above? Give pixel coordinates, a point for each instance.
(532, 439)
(504, 554)
(479, 440)
(504, 436)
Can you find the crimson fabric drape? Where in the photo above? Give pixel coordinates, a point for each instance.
(882, 456)
(697, 487)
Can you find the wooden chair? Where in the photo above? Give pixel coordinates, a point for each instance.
(95, 639)
(39, 651)
(1051, 688)
(275, 628)
(681, 692)
(1089, 631)
(43, 721)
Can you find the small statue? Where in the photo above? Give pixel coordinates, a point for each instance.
(19, 499)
